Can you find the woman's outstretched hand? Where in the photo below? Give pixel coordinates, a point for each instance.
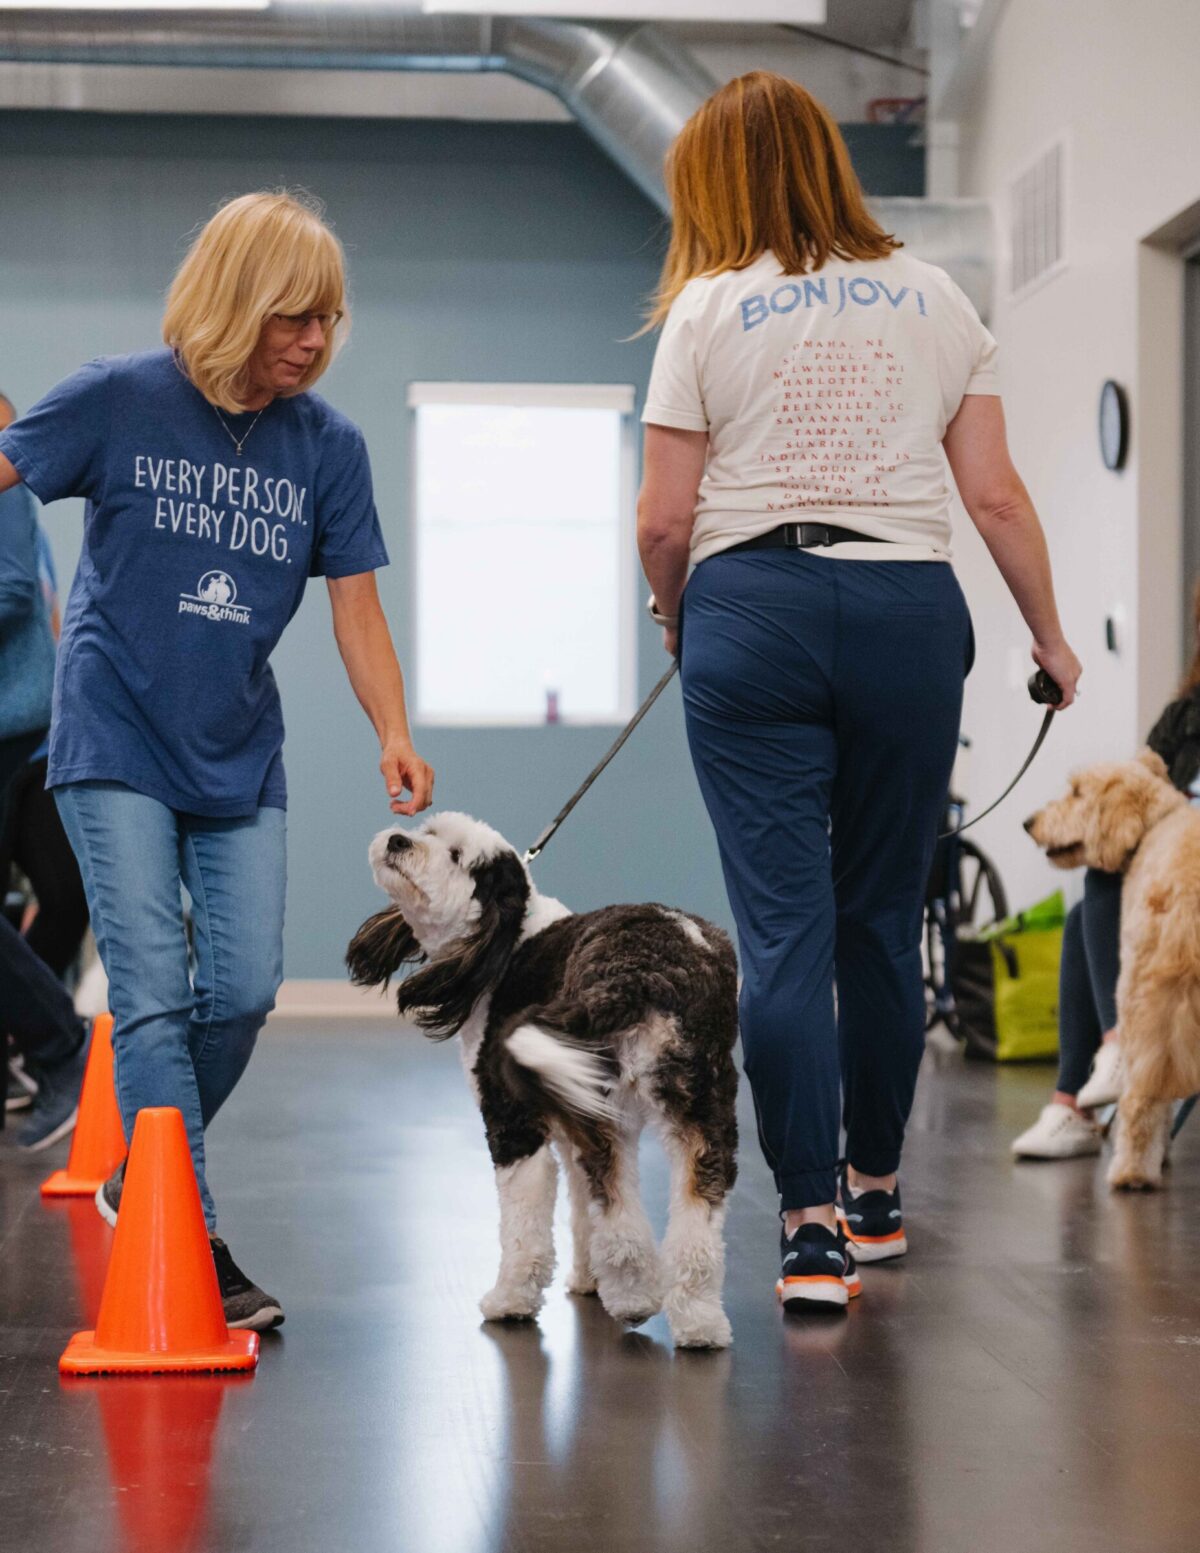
(1063, 667)
(403, 768)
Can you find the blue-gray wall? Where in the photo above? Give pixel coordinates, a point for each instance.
(476, 251)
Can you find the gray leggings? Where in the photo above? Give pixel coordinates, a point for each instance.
(1087, 1001)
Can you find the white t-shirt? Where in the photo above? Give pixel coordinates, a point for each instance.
(825, 398)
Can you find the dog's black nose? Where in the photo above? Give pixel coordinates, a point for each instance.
(398, 842)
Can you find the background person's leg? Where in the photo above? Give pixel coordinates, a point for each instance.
(1079, 1027)
(757, 641)
(36, 1009)
(42, 850)
(903, 649)
(236, 873)
(8, 826)
(13, 755)
(1101, 915)
(1062, 1130)
(128, 850)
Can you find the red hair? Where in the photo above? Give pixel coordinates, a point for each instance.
(762, 165)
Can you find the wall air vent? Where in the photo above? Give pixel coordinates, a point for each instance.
(1036, 233)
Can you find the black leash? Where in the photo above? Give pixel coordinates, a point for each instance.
(543, 840)
(1041, 687)
(1046, 692)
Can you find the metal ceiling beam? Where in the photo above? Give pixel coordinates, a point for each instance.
(630, 86)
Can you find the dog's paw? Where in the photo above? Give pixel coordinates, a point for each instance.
(628, 1277)
(1129, 1177)
(631, 1292)
(581, 1281)
(520, 1302)
(698, 1326)
(632, 1306)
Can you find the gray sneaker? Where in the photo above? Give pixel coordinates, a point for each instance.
(55, 1109)
(108, 1196)
(245, 1303)
(22, 1087)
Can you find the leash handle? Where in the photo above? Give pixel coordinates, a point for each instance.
(1044, 690)
(544, 839)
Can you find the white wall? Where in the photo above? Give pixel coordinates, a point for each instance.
(1124, 92)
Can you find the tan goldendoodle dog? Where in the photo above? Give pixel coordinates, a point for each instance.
(1129, 819)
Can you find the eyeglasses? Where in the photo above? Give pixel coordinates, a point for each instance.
(299, 322)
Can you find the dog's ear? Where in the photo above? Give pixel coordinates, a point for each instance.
(440, 998)
(1116, 823)
(381, 946)
(1154, 764)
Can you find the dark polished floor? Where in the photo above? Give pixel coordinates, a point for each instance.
(1029, 1379)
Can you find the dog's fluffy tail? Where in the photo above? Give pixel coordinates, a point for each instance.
(573, 1079)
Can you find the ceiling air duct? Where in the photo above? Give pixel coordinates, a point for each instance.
(630, 86)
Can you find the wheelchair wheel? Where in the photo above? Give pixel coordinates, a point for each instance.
(981, 899)
(972, 898)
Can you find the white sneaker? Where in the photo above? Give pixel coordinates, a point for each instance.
(1107, 1078)
(1058, 1133)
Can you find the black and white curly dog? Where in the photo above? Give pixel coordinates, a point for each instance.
(575, 1031)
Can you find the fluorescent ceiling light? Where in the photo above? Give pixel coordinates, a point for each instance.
(134, 5)
(808, 12)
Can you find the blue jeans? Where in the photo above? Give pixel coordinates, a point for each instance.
(178, 1042)
(822, 700)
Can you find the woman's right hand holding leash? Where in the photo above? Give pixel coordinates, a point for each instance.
(1063, 667)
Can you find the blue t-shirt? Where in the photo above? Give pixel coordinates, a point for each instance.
(26, 645)
(194, 560)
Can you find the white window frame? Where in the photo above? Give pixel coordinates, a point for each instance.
(618, 397)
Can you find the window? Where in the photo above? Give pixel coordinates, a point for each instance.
(523, 518)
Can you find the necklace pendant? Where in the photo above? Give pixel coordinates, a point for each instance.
(238, 446)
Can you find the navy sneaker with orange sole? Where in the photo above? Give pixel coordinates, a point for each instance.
(873, 1222)
(818, 1270)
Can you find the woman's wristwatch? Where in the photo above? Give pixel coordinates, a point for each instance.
(667, 621)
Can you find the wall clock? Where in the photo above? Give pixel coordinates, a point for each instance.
(1114, 425)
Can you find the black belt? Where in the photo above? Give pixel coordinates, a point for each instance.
(804, 536)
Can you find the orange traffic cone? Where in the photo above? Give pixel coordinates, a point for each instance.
(98, 1146)
(162, 1305)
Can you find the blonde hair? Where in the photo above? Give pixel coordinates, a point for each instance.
(762, 165)
(260, 254)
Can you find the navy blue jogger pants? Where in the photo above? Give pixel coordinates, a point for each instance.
(822, 700)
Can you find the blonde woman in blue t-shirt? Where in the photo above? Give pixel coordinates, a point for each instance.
(809, 377)
(216, 484)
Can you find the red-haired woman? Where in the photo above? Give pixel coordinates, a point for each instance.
(809, 376)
